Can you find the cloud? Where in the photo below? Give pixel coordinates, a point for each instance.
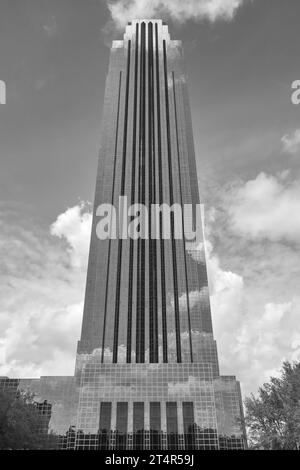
(253, 335)
(180, 11)
(254, 297)
(195, 298)
(267, 207)
(75, 225)
(253, 273)
(42, 279)
(291, 143)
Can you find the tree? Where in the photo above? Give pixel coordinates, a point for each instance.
(21, 424)
(273, 416)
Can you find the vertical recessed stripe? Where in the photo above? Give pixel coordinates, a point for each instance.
(153, 330)
(140, 317)
(118, 284)
(112, 201)
(174, 258)
(161, 200)
(181, 201)
(131, 254)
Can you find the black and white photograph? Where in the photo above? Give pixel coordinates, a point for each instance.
(150, 228)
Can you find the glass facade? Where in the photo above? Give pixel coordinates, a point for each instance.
(147, 373)
(145, 406)
(147, 300)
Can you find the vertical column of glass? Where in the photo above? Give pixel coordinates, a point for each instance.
(182, 281)
(152, 267)
(121, 425)
(120, 314)
(155, 425)
(94, 307)
(104, 425)
(110, 172)
(170, 352)
(188, 265)
(204, 347)
(188, 425)
(126, 262)
(134, 278)
(174, 307)
(138, 425)
(157, 307)
(172, 425)
(146, 243)
(161, 250)
(112, 301)
(132, 267)
(140, 266)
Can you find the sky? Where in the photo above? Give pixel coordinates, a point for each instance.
(241, 58)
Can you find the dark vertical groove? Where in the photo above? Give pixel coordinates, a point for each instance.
(150, 284)
(143, 201)
(153, 346)
(112, 201)
(119, 267)
(138, 280)
(174, 260)
(181, 201)
(131, 254)
(140, 317)
(154, 242)
(162, 246)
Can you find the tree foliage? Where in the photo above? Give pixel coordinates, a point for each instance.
(20, 422)
(273, 416)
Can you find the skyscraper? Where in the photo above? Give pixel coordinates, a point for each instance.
(147, 373)
(147, 364)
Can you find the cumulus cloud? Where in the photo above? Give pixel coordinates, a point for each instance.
(254, 335)
(291, 143)
(123, 11)
(253, 275)
(74, 226)
(266, 207)
(42, 280)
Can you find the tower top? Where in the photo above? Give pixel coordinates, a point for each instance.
(131, 28)
(146, 20)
